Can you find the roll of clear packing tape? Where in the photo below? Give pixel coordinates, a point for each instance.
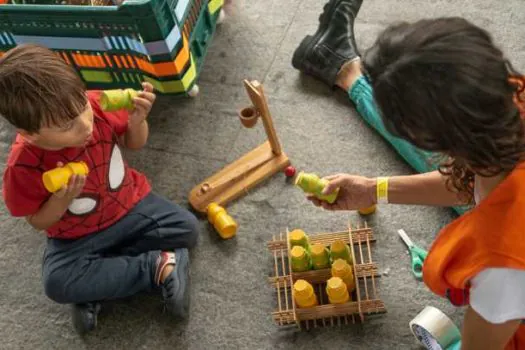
(434, 330)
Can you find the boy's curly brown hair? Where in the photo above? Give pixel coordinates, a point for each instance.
(444, 86)
(38, 89)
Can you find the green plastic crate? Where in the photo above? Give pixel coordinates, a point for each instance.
(120, 46)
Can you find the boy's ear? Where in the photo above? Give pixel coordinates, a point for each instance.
(27, 135)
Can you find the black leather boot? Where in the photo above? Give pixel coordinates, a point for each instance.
(323, 54)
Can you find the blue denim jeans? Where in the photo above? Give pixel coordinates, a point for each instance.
(121, 260)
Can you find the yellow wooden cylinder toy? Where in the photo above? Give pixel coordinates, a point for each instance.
(304, 295)
(337, 291)
(320, 257)
(340, 250)
(300, 259)
(57, 178)
(341, 269)
(223, 223)
(313, 184)
(367, 211)
(299, 237)
(114, 100)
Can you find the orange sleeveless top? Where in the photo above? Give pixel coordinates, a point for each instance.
(490, 235)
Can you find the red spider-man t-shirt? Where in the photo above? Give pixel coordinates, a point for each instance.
(112, 188)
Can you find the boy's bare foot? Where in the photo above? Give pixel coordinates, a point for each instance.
(349, 73)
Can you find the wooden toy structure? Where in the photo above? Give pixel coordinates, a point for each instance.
(255, 166)
(365, 299)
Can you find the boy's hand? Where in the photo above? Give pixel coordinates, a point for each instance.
(355, 192)
(74, 187)
(143, 104)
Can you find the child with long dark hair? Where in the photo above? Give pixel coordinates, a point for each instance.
(442, 87)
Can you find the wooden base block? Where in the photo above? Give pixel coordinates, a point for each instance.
(241, 181)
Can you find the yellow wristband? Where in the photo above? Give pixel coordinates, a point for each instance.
(382, 190)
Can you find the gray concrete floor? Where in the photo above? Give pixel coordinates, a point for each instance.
(191, 139)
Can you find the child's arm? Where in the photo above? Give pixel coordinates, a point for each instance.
(421, 189)
(136, 136)
(137, 133)
(480, 334)
(56, 206)
(360, 192)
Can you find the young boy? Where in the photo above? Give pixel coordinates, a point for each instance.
(108, 235)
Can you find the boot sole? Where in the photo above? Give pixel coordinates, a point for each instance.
(309, 41)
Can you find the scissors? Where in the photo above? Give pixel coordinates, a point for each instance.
(417, 254)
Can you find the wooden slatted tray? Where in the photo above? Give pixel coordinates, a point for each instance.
(365, 299)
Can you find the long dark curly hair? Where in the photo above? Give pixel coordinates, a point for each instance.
(444, 86)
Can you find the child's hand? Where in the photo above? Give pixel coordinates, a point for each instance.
(355, 192)
(74, 187)
(143, 104)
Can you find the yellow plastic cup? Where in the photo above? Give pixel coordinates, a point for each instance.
(311, 183)
(304, 294)
(367, 211)
(213, 210)
(340, 250)
(57, 178)
(223, 223)
(299, 237)
(337, 291)
(300, 259)
(114, 100)
(341, 269)
(320, 257)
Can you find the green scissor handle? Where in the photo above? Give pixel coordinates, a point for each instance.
(421, 252)
(418, 256)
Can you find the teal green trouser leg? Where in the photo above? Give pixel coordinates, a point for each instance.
(361, 94)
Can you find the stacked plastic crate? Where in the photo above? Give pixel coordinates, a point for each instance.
(163, 42)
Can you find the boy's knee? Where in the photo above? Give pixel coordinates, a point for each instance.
(192, 226)
(54, 287)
